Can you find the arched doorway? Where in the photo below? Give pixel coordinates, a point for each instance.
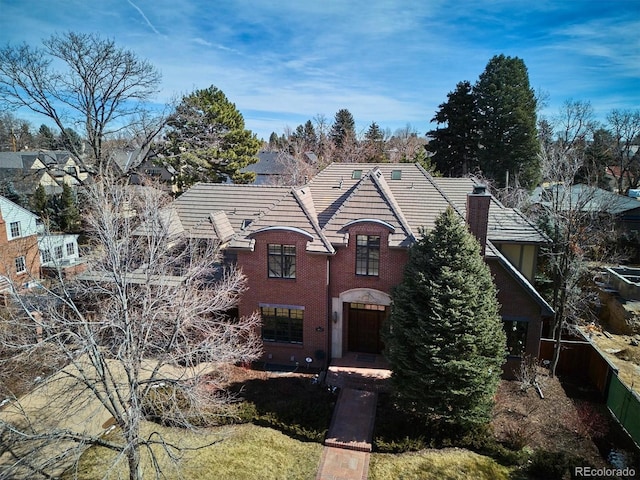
(362, 313)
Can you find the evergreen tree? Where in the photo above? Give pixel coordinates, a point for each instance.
(506, 113)
(68, 215)
(374, 144)
(46, 139)
(8, 191)
(207, 140)
(343, 130)
(39, 202)
(455, 146)
(445, 342)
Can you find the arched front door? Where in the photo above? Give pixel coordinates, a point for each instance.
(365, 324)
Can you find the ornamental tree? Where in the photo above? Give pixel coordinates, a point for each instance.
(445, 342)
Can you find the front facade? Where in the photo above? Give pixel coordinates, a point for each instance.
(321, 260)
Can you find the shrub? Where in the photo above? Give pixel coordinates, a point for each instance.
(553, 465)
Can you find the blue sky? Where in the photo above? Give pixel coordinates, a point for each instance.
(285, 61)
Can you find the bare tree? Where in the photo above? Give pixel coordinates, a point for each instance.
(99, 89)
(575, 217)
(625, 128)
(144, 331)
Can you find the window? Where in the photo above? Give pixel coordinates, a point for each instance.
(71, 249)
(153, 172)
(46, 256)
(396, 174)
(282, 324)
(15, 229)
(21, 265)
(57, 252)
(282, 261)
(516, 336)
(356, 174)
(367, 255)
(367, 306)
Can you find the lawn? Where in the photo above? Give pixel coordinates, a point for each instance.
(243, 452)
(445, 464)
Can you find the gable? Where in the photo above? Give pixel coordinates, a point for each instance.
(371, 199)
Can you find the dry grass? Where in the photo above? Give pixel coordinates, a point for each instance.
(447, 464)
(243, 452)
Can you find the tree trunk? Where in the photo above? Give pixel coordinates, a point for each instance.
(133, 458)
(557, 345)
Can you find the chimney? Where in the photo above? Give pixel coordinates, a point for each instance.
(478, 214)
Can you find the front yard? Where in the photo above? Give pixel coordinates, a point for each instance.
(281, 419)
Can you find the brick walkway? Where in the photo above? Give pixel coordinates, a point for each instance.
(348, 443)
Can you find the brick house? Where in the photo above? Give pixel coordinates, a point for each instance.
(322, 260)
(19, 255)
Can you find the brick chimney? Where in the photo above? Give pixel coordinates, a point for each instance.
(478, 214)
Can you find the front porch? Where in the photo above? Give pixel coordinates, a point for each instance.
(360, 371)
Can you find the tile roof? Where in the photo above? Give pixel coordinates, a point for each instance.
(404, 196)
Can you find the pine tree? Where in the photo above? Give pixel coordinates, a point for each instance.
(343, 130)
(39, 202)
(506, 107)
(374, 144)
(455, 145)
(68, 214)
(207, 140)
(445, 341)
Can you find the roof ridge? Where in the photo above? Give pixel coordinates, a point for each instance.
(313, 219)
(382, 184)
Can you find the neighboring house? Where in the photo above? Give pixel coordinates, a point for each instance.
(278, 168)
(591, 200)
(19, 258)
(321, 260)
(136, 164)
(270, 167)
(26, 170)
(162, 172)
(59, 254)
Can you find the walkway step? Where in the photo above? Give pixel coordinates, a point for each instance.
(353, 419)
(338, 464)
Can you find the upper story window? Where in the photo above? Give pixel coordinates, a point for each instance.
(71, 249)
(21, 265)
(368, 255)
(57, 252)
(15, 229)
(282, 261)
